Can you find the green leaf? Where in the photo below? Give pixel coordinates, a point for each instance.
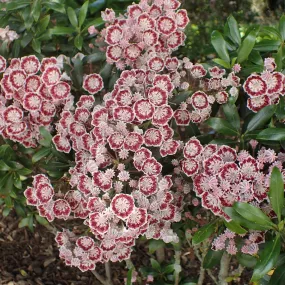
(222, 62)
(168, 269)
(6, 211)
(41, 220)
(7, 153)
(62, 31)
(276, 192)
(278, 58)
(31, 223)
(95, 57)
(4, 166)
(278, 277)
(24, 222)
(58, 7)
(42, 25)
(253, 214)
(154, 264)
(247, 45)
(19, 4)
(261, 118)
(47, 137)
(36, 45)
(222, 126)
(212, 258)
(219, 44)
(203, 233)
(267, 45)
(272, 32)
(282, 27)
(17, 181)
(24, 171)
(235, 216)
(36, 9)
(40, 154)
(232, 30)
(280, 111)
(83, 13)
(154, 245)
(78, 41)
(130, 276)
(72, 17)
(105, 72)
(20, 209)
(235, 227)
(272, 134)
(267, 259)
(246, 260)
(231, 113)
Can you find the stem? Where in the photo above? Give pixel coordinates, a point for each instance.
(160, 255)
(177, 266)
(224, 269)
(99, 277)
(108, 273)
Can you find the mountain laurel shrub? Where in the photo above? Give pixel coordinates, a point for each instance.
(133, 141)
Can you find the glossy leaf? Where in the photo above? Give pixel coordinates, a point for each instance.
(235, 227)
(36, 9)
(41, 220)
(154, 245)
(222, 62)
(61, 30)
(203, 233)
(253, 214)
(232, 116)
(247, 45)
(246, 260)
(83, 13)
(47, 137)
(219, 44)
(154, 264)
(235, 216)
(280, 111)
(19, 4)
(55, 6)
(276, 192)
(78, 41)
(267, 45)
(42, 25)
(261, 118)
(272, 134)
(278, 277)
(212, 258)
(282, 27)
(41, 154)
(232, 30)
(222, 126)
(72, 17)
(267, 259)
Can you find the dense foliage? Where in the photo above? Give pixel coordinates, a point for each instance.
(135, 141)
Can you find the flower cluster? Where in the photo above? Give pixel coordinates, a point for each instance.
(222, 177)
(32, 94)
(218, 88)
(228, 241)
(8, 35)
(146, 36)
(266, 88)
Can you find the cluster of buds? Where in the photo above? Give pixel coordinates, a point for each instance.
(229, 241)
(266, 88)
(146, 36)
(222, 177)
(32, 94)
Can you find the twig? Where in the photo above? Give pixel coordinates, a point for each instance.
(108, 273)
(224, 269)
(99, 277)
(177, 266)
(160, 254)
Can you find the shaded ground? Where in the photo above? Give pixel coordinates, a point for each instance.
(28, 258)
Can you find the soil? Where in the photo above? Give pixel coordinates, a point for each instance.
(28, 258)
